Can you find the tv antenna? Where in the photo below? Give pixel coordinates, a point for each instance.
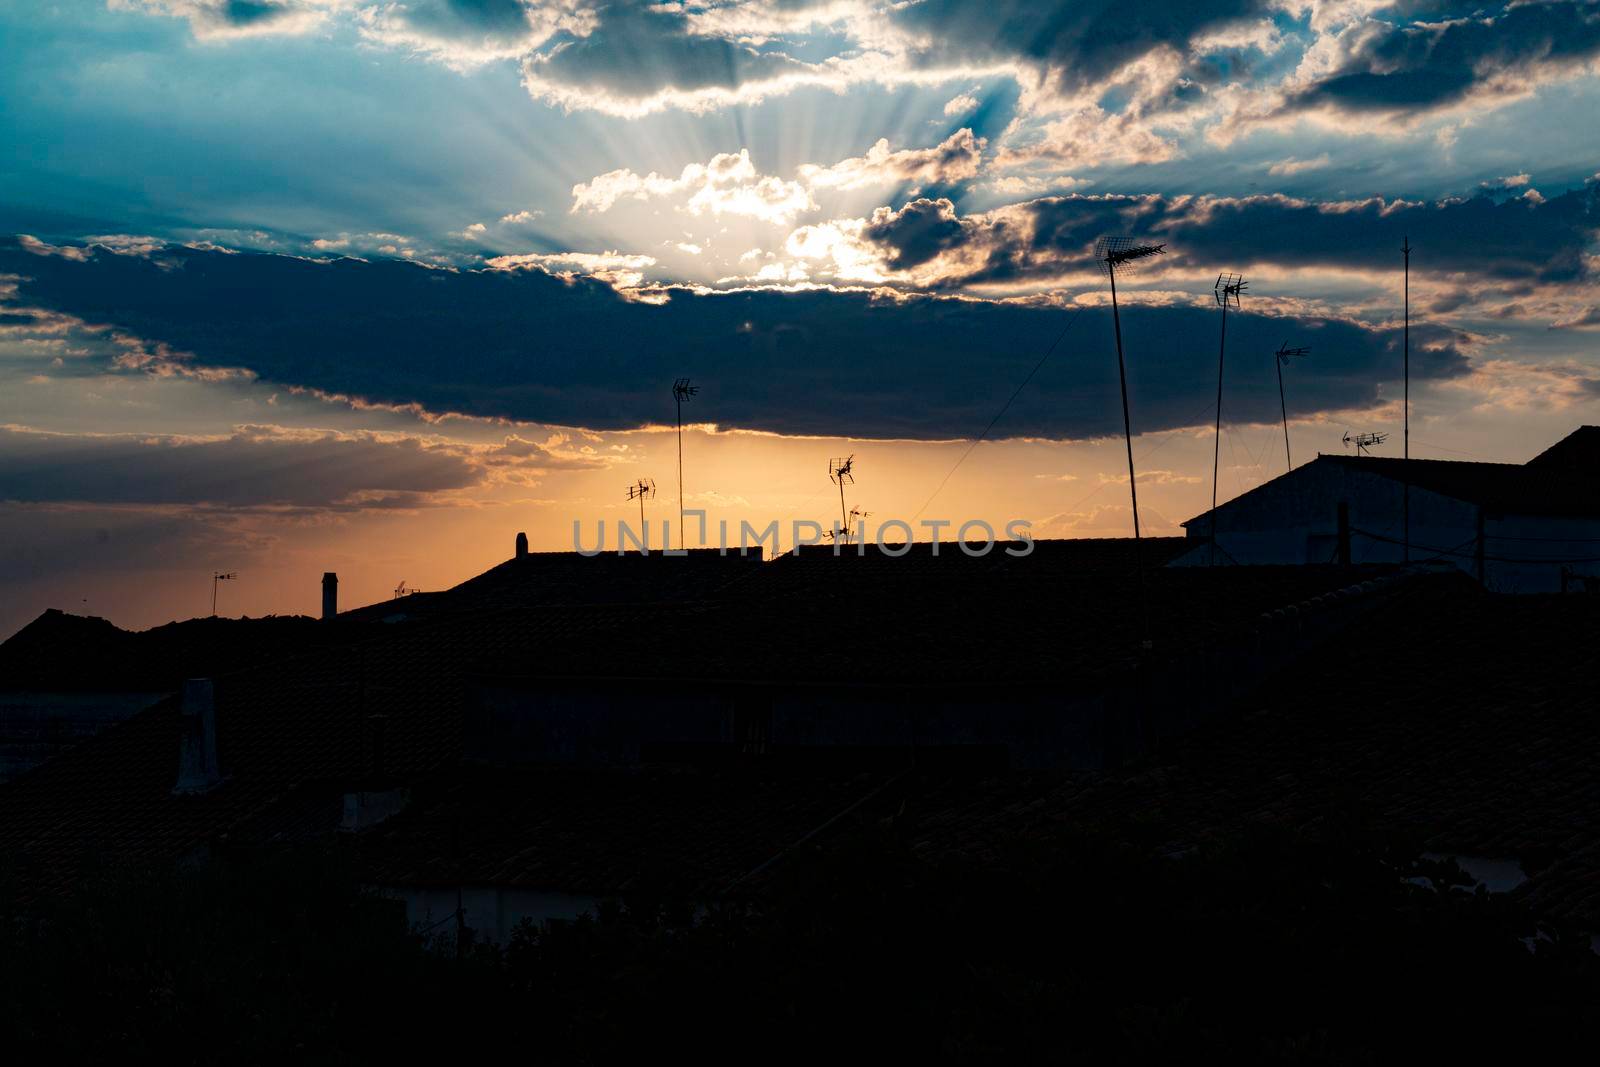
(219, 576)
(400, 590)
(1364, 442)
(842, 471)
(642, 490)
(1228, 289)
(842, 536)
(1115, 254)
(681, 391)
(1282, 357)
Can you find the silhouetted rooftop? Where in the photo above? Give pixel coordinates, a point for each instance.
(1577, 453)
(291, 728)
(1507, 488)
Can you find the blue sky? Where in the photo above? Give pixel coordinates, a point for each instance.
(857, 222)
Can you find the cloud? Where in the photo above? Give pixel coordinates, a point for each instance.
(1071, 45)
(252, 467)
(955, 159)
(467, 33)
(645, 57)
(226, 20)
(619, 269)
(929, 243)
(727, 185)
(730, 184)
(960, 105)
(1289, 167)
(524, 344)
(1410, 68)
(1584, 318)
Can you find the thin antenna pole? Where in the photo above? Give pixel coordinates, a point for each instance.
(1127, 426)
(678, 396)
(1405, 480)
(844, 520)
(1283, 406)
(1127, 440)
(642, 532)
(214, 577)
(1216, 451)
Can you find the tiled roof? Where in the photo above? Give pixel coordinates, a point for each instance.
(570, 578)
(692, 831)
(1470, 722)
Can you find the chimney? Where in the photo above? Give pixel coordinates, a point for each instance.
(522, 545)
(330, 595)
(197, 748)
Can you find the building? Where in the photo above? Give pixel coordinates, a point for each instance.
(498, 756)
(1518, 528)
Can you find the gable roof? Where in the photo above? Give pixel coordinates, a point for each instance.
(1577, 453)
(1507, 488)
(1561, 482)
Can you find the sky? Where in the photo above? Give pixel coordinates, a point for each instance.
(291, 286)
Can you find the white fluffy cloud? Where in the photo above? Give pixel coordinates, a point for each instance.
(955, 159)
(730, 184)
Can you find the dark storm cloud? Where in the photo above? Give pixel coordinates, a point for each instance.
(249, 468)
(1421, 66)
(1543, 239)
(526, 345)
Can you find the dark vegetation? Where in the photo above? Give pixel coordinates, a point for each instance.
(1093, 949)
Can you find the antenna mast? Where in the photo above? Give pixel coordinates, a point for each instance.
(1282, 357)
(1405, 480)
(681, 391)
(1228, 289)
(1120, 253)
(843, 536)
(841, 471)
(642, 490)
(218, 576)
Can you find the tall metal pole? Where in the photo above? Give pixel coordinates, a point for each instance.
(679, 398)
(1405, 480)
(1284, 407)
(214, 595)
(1216, 452)
(1127, 426)
(844, 520)
(1133, 482)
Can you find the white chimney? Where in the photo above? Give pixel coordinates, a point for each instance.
(330, 595)
(197, 748)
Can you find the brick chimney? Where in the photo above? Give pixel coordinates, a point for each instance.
(522, 545)
(197, 748)
(330, 595)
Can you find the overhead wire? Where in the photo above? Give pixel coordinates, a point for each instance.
(976, 441)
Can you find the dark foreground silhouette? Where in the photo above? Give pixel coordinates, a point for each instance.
(1266, 948)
